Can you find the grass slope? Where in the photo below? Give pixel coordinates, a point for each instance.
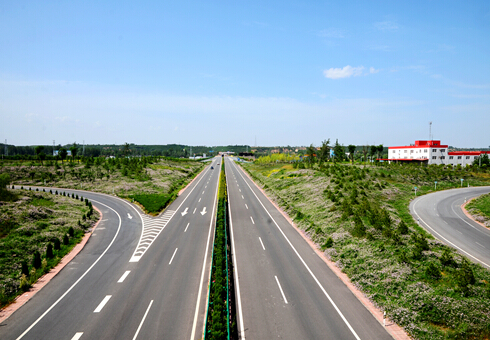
(480, 209)
(28, 225)
(359, 216)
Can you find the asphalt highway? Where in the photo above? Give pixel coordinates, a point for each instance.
(283, 288)
(440, 214)
(138, 277)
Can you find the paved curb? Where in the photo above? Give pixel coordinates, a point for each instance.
(44, 280)
(397, 332)
(463, 207)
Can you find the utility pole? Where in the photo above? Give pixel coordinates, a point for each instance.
(6, 149)
(53, 147)
(430, 130)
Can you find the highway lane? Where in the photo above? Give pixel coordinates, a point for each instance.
(283, 288)
(137, 287)
(440, 214)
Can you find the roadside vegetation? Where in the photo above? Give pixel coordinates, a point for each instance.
(221, 321)
(479, 208)
(358, 215)
(151, 181)
(37, 229)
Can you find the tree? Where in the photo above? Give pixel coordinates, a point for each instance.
(339, 152)
(324, 153)
(380, 149)
(311, 154)
(4, 184)
(40, 152)
(74, 151)
(483, 160)
(365, 150)
(126, 150)
(352, 149)
(62, 153)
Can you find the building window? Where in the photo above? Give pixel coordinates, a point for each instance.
(443, 150)
(434, 157)
(425, 150)
(405, 151)
(411, 151)
(434, 150)
(451, 157)
(467, 157)
(459, 157)
(443, 157)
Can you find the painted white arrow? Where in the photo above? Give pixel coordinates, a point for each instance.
(203, 211)
(130, 217)
(184, 212)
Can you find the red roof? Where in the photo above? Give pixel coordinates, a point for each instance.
(467, 153)
(422, 144)
(403, 159)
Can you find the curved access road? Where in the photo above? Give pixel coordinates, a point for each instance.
(440, 214)
(139, 277)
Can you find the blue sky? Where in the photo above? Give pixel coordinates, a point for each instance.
(221, 72)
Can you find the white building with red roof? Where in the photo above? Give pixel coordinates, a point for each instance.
(431, 152)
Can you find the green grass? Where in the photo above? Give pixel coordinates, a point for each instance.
(153, 203)
(481, 208)
(353, 214)
(28, 225)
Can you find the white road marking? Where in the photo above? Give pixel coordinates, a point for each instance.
(243, 197)
(123, 277)
(240, 190)
(261, 243)
(206, 187)
(203, 193)
(235, 270)
(187, 227)
(102, 304)
(194, 210)
(143, 320)
(203, 211)
(459, 232)
(79, 279)
(173, 256)
(199, 199)
(252, 220)
(196, 313)
(303, 261)
(129, 216)
(184, 212)
(77, 336)
(280, 288)
(246, 206)
(481, 245)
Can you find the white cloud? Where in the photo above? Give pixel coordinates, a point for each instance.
(372, 70)
(346, 72)
(331, 33)
(386, 25)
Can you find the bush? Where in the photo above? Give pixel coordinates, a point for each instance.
(432, 272)
(447, 260)
(25, 267)
(36, 260)
(328, 243)
(71, 231)
(66, 240)
(57, 244)
(24, 284)
(402, 228)
(49, 251)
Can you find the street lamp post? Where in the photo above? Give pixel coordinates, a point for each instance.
(462, 179)
(435, 183)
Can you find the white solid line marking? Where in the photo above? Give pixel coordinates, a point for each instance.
(199, 199)
(143, 320)
(252, 220)
(283, 296)
(79, 279)
(77, 336)
(481, 245)
(194, 210)
(123, 277)
(261, 243)
(102, 304)
(246, 206)
(196, 313)
(173, 256)
(187, 227)
(302, 261)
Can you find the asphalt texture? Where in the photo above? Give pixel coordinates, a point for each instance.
(441, 215)
(164, 294)
(284, 290)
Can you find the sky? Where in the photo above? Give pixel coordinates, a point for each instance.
(263, 73)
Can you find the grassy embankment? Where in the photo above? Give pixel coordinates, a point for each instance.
(36, 230)
(152, 181)
(479, 208)
(359, 216)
